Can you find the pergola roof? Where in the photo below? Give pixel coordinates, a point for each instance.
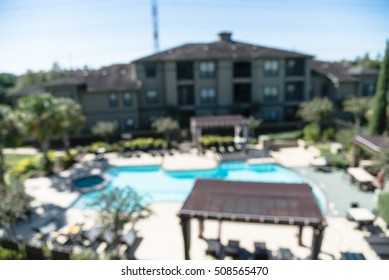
(218, 121)
(271, 203)
(371, 143)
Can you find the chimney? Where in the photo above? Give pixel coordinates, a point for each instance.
(225, 36)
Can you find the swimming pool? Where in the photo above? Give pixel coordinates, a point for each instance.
(159, 185)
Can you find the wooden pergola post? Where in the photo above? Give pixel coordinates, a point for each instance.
(185, 227)
(317, 239)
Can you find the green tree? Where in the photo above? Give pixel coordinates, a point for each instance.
(104, 129)
(10, 135)
(381, 160)
(70, 119)
(383, 206)
(316, 111)
(166, 126)
(358, 106)
(253, 124)
(378, 121)
(14, 205)
(40, 117)
(118, 207)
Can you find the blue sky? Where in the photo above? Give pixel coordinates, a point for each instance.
(35, 33)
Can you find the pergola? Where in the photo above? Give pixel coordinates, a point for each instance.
(264, 203)
(239, 123)
(371, 144)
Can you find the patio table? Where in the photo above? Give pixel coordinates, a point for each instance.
(362, 216)
(363, 178)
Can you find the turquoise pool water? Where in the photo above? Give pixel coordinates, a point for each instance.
(158, 185)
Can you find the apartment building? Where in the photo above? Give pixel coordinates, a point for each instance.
(224, 77)
(337, 81)
(215, 78)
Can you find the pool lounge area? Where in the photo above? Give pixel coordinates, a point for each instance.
(166, 206)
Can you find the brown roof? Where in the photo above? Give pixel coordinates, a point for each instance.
(218, 121)
(114, 77)
(336, 72)
(359, 70)
(253, 202)
(218, 50)
(372, 143)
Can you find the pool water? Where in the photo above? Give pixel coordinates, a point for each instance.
(158, 185)
(88, 182)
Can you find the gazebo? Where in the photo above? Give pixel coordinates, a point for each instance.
(371, 144)
(264, 203)
(238, 122)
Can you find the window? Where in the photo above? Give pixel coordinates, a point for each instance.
(184, 70)
(185, 95)
(116, 122)
(295, 67)
(368, 89)
(290, 113)
(294, 91)
(207, 96)
(150, 69)
(152, 96)
(130, 124)
(113, 100)
(242, 70)
(207, 69)
(270, 68)
(152, 119)
(271, 115)
(127, 99)
(270, 93)
(242, 92)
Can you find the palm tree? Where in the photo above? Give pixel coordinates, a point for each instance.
(70, 118)
(104, 129)
(358, 106)
(118, 207)
(253, 124)
(166, 126)
(316, 111)
(40, 118)
(10, 134)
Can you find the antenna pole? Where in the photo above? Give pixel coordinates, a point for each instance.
(154, 11)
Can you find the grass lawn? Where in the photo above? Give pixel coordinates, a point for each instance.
(12, 159)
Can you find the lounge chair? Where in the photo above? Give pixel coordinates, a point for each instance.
(129, 238)
(284, 254)
(232, 249)
(377, 240)
(260, 251)
(60, 255)
(352, 256)
(34, 253)
(215, 249)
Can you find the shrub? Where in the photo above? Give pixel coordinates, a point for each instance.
(216, 140)
(290, 135)
(345, 137)
(383, 206)
(84, 254)
(26, 167)
(328, 133)
(338, 161)
(97, 145)
(6, 254)
(312, 132)
(47, 164)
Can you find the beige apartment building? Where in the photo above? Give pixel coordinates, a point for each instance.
(216, 78)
